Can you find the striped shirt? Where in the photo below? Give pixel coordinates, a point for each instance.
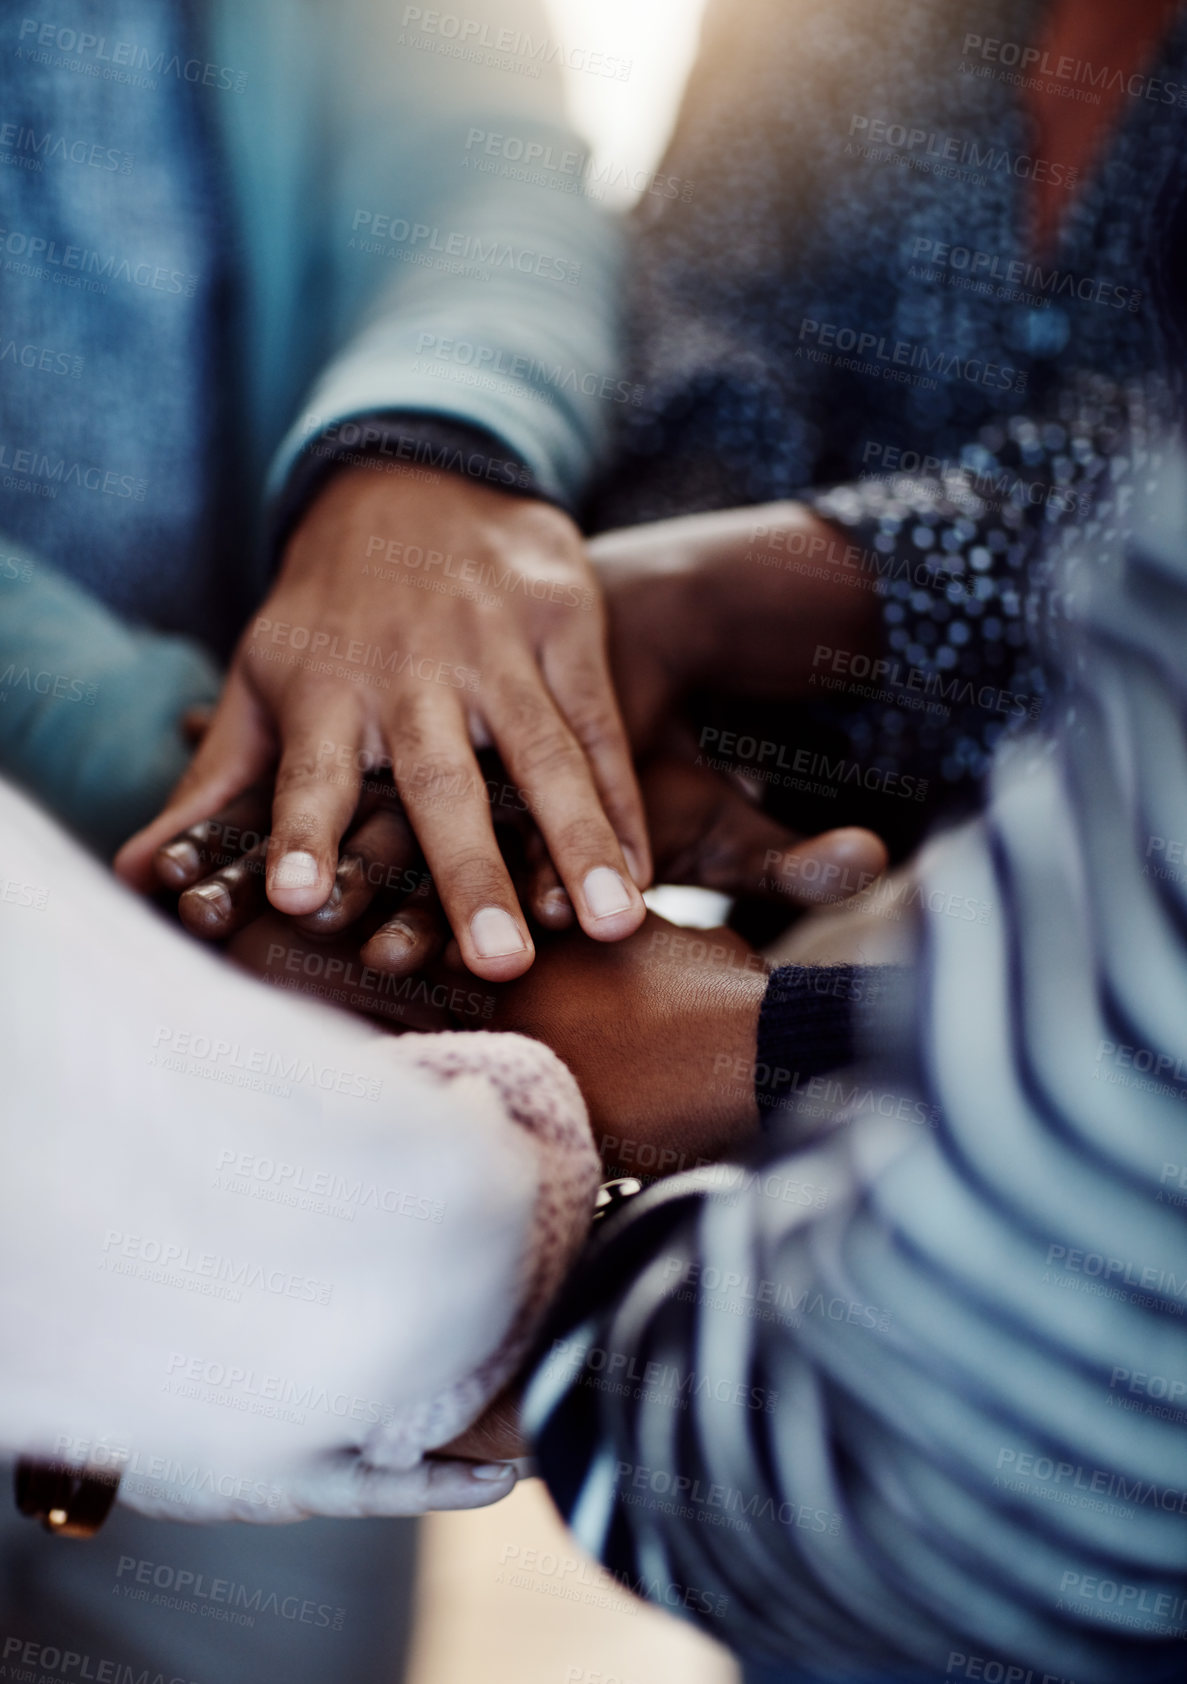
(904, 1395)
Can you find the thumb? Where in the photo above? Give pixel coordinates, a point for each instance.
(346, 1488)
(708, 832)
(818, 870)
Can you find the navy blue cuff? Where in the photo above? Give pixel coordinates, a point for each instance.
(401, 439)
(814, 1018)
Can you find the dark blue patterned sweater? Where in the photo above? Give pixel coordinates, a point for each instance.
(845, 308)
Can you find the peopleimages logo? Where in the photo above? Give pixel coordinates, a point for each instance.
(234, 1168)
(533, 160)
(1137, 1606)
(1018, 272)
(753, 755)
(903, 356)
(96, 55)
(958, 150)
(1161, 1284)
(180, 1265)
(74, 265)
(46, 1659)
(61, 685)
(545, 378)
(1097, 1482)
(485, 251)
(258, 1393)
(963, 480)
(469, 38)
(54, 471)
(197, 1587)
(41, 358)
(998, 1672)
(953, 689)
(39, 145)
(1091, 79)
(259, 1061)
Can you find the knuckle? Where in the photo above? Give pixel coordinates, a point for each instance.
(475, 875)
(597, 729)
(412, 733)
(524, 709)
(586, 837)
(297, 773)
(439, 781)
(551, 749)
(552, 531)
(591, 710)
(416, 729)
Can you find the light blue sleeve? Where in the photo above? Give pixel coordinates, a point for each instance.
(469, 275)
(90, 707)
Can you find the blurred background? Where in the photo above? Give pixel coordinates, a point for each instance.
(628, 122)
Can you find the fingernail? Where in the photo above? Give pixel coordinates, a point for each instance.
(491, 1470)
(495, 933)
(605, 892)
(178, 861)
(398, 934)
(295, 871)
(555, 903)
(215, 899)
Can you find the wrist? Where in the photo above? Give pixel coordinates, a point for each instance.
(700, 1105)
(720, 1051)
(653, 581)
(786, 583)
(372, 512)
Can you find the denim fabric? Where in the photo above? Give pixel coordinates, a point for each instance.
(113, 263)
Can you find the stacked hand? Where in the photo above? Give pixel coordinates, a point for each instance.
(350, 664)
(375, 812)
(347, 831)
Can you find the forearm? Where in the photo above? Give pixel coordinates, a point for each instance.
(907, 601)
(760, 588)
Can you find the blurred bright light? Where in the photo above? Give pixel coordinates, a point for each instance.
(627, 123)
(695, 909)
